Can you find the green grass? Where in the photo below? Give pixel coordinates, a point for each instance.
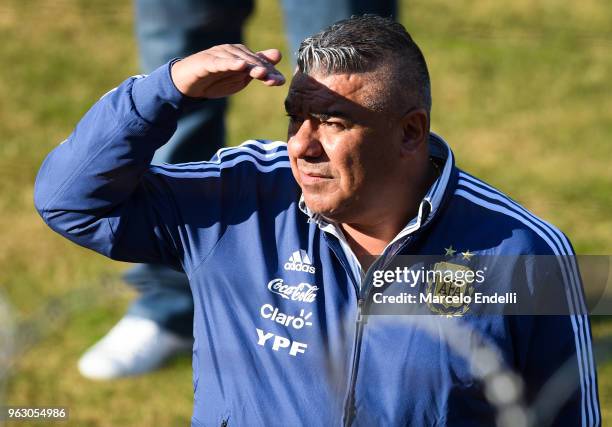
(521, 90)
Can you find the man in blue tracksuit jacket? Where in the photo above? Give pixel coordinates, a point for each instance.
(286, 244)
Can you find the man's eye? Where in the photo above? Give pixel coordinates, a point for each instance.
(334, 125)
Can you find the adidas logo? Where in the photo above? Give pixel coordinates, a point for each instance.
(299, 261)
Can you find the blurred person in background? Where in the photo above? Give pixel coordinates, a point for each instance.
(158, 324)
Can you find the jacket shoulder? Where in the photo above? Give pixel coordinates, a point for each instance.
(516, 226)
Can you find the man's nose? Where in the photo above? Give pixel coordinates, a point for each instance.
(305, 142)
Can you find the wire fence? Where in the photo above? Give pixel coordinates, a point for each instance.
(7, 343)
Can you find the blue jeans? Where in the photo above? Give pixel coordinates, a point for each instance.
(304, 19)
(168, 29)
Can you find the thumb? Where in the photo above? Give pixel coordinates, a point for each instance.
(271, 55)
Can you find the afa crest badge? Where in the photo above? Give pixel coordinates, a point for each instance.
(448, 292)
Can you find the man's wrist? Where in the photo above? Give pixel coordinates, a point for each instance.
(156, 97)
(187, 101)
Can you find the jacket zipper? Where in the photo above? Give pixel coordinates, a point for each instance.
(362, 319)
(349, 405)
(350, 408)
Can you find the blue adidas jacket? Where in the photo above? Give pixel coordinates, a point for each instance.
(282, 336)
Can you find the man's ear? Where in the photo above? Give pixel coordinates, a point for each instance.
(415, 127)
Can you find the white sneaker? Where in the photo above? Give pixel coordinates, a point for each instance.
(134, 346)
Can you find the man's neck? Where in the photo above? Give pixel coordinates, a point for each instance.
(367, 245)
(368, 239)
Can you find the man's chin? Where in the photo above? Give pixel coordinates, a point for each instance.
(315, 203)
(325, 208)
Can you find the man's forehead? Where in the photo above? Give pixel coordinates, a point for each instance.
(325, 91)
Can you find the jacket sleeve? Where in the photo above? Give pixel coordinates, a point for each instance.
(556, 357)
(98, 189)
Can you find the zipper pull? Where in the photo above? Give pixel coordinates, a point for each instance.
(361, 318)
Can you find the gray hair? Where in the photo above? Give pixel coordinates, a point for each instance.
(368, 43)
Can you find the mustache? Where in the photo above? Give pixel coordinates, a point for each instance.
(314, 169)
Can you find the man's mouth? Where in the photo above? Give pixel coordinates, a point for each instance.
(312, 177)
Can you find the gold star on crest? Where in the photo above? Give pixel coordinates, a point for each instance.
(467, 255)
(450, 251)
